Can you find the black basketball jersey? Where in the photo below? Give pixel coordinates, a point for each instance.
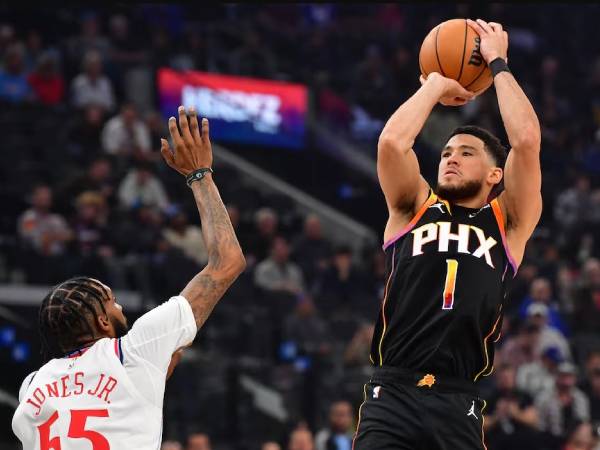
(447, 275)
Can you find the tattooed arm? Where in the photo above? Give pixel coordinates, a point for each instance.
(225, 259)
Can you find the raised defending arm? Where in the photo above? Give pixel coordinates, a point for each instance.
(225, 259)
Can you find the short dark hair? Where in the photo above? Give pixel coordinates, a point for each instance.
(491, 143)
(67, 314)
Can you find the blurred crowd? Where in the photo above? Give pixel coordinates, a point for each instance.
(84, 184)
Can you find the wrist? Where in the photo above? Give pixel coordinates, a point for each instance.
(196, 185)
(491, 57)
(437, 85)
(498, 65)
(197, 175)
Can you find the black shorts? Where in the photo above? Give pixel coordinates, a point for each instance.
(397, 414)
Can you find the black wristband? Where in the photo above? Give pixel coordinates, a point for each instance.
(498, 65)
(197, 175)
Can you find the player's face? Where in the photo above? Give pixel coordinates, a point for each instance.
(114, 311)
(464, 167)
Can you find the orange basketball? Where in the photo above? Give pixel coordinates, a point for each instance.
(452, 49)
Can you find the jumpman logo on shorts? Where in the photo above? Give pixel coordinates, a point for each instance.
(472, 411)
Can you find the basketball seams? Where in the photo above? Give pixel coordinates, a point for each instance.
(462, 60)
(437, 55)
(477, 77)
(441, 52)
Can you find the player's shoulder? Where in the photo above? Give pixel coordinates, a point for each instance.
(26, 384)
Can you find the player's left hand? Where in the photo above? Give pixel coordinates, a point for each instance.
(494, 40)
(192, 145)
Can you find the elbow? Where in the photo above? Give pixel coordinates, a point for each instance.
(230, 265)
(239, 265)
(529, 139)
(392, 142)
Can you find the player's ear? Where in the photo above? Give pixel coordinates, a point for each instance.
(103, 323)
(495, 175)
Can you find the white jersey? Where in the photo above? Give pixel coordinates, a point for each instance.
(110, 395)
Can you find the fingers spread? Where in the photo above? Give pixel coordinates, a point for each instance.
(178, 141)
(185, 126)
(166, 152)
(194, 125)
(205, 131)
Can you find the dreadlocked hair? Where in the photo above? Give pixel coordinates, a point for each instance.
(67, 314)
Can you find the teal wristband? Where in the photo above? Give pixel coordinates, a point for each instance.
(197, 175)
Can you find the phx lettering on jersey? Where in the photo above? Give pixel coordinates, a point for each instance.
(440, 231)
(75, 384)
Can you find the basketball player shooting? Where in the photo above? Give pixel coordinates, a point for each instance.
(103, 385)
(451, 253)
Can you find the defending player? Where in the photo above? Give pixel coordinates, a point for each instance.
(450, 256)
(104, 386)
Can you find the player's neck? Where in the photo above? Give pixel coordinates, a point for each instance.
(479, 201)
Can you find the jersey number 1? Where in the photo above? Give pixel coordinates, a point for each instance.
(448, 297)
(76, 430)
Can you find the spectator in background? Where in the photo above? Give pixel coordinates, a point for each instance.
(252, 58)
(92, 245)
(7, 38)
(97, 178)
(141, 187)
(89, 40)
(277, 274)
(510, 416)
(92, 87)
(156, 127)
(564, 405)
(535, 376)
(266, 224)
(82, 133)
(541, 293)
(270, 445)
(372, 84)
(586, 304)
(14, 87)
(171, 445)
(44, 237)
(185, 237)
(338, 434)
(46, 81)
(571, 213)
(127, 49)
(198, 441)
(125, 135)
(301, 439)
(522, 347)
(341, 287)
(136, 239)
(312, 251)
(307, 329)
(591, 385)
(581, 438)
(521, 285)
(358, 350)
(537, 315)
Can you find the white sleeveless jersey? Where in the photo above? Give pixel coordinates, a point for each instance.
(110, 395)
